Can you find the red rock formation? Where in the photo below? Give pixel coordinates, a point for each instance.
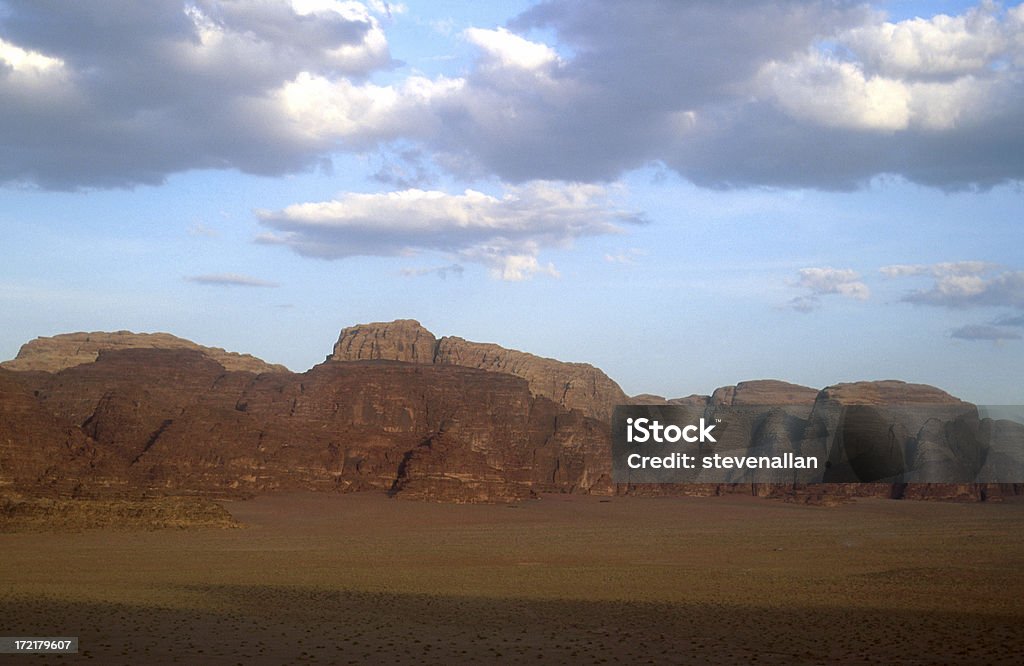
(70, 349)
(401, 340)
(887, 392)
(175, 420)
(37, 450)
(572, 385)
(764, 392)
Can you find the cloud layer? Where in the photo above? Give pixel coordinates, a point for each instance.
(832, 95)
(505, 233)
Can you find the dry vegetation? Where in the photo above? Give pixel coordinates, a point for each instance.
(364, 579)
(20, 513)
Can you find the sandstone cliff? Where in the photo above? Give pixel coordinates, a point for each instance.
(177, 421)
(52, 354)
(474, 423)
(572, 385)
(764, 392)
(889, 391)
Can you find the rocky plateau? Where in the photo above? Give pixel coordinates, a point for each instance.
(393, 408)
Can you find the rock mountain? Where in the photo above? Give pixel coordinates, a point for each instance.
(392, 408)
(571, 385)
(71, 349)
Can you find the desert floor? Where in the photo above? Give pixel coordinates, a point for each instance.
(366, 579)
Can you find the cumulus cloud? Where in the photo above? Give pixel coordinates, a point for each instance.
(963, 284)
(505, 233)
(506, 49)
(109, 95)
(824, 281)
(230, 280)
(978, 332)
(832, 95)
(940, 47)
(842, 281)
(928, 74)
(960, 291)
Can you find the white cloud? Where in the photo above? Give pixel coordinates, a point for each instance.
(938, 46)
(961, 291)
(22, 60)
(336, 110)
(829, 92)
(230, 280)
(833, 93)
(842, 281)
(112, 95)
(963, 284)
(825, 281)
(505, 233)
(934, 74)
(802, 94)
(510, 50)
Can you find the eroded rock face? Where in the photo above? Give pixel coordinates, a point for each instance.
(768, 392)
(572, 385)
(888, 392)
(401, 340)
(56, 353)
(36, 449)
(178, 420)
(175, 420)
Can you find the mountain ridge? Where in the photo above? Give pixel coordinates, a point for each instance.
(392, 408)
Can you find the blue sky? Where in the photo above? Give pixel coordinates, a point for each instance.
(667, 190)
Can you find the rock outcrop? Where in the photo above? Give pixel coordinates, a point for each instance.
(36, 449)
(764, 392)
(177, 421)
(401, 340)
(396, 409)
(572, 385)
(52, 354)
(888, 392)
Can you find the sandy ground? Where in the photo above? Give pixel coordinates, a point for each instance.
(364, 579)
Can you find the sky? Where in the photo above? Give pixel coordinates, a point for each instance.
(684, 194)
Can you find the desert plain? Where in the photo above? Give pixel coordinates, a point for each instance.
(362, 578)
